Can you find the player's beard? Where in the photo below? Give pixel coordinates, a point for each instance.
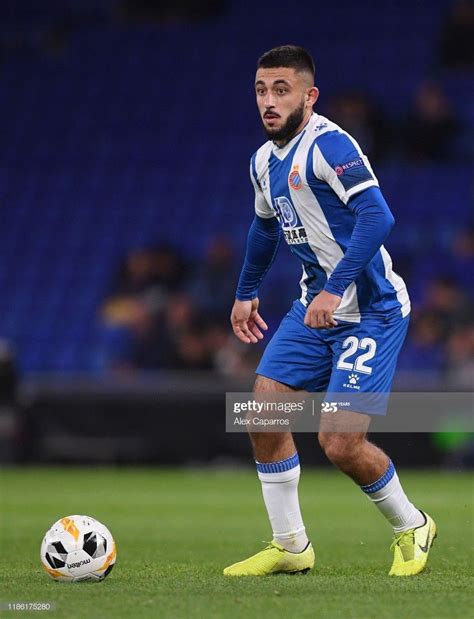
(285, 133)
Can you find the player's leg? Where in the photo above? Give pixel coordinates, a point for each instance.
(278, 469)
(271, 446)
(372, 470)
(375, 473)
(363, 461)
(288, 365)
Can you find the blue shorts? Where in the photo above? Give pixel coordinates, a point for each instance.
(354, 358)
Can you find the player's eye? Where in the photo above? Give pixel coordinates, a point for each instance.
(281, 91)
(260, 92)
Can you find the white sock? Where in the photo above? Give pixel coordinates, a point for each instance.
(280, 493)
(387, 493)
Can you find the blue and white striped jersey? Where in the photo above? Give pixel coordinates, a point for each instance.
(307, 185)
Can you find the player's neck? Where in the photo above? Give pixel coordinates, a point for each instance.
(304, 122)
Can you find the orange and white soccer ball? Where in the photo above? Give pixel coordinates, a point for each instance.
(78, 548)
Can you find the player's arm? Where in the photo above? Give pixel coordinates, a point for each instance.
(340, 163)
(374, 221)
(262, 245)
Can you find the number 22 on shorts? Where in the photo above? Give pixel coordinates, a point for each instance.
(351, 346)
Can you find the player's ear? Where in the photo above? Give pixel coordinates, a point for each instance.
(312, 95)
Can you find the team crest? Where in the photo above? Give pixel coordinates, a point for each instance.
(295, 179)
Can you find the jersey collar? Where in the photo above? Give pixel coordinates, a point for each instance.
(282, 151)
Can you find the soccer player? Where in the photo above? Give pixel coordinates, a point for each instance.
(314, 186)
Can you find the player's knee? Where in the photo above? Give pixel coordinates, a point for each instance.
(325, 440)
(338, 446)
(263, 384)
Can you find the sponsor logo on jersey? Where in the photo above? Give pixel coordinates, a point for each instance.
(295, 179)
(286, 214)
(356, 163)
(295, 236)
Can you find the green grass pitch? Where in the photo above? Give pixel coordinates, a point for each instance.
(176, 529)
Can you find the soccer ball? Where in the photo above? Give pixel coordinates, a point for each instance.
(78, 548)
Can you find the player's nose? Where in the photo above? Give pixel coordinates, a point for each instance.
(269, 100)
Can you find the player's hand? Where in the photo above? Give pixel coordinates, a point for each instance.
(319, 313)
(247, 322)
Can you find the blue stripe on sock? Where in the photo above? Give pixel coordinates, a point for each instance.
(278, 467)
(381, 482)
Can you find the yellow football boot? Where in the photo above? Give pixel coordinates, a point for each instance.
(411, 549)
(274, 559)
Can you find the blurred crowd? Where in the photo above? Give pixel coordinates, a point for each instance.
(455, 46)
(432, 129)
(428, 132)
(164, 313)
(441, 336)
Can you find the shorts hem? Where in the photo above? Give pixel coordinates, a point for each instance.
(282, 382)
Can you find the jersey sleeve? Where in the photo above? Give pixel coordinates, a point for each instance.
(339, 161)
(262, 208)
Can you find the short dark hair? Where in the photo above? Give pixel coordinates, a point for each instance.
(291, 56)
